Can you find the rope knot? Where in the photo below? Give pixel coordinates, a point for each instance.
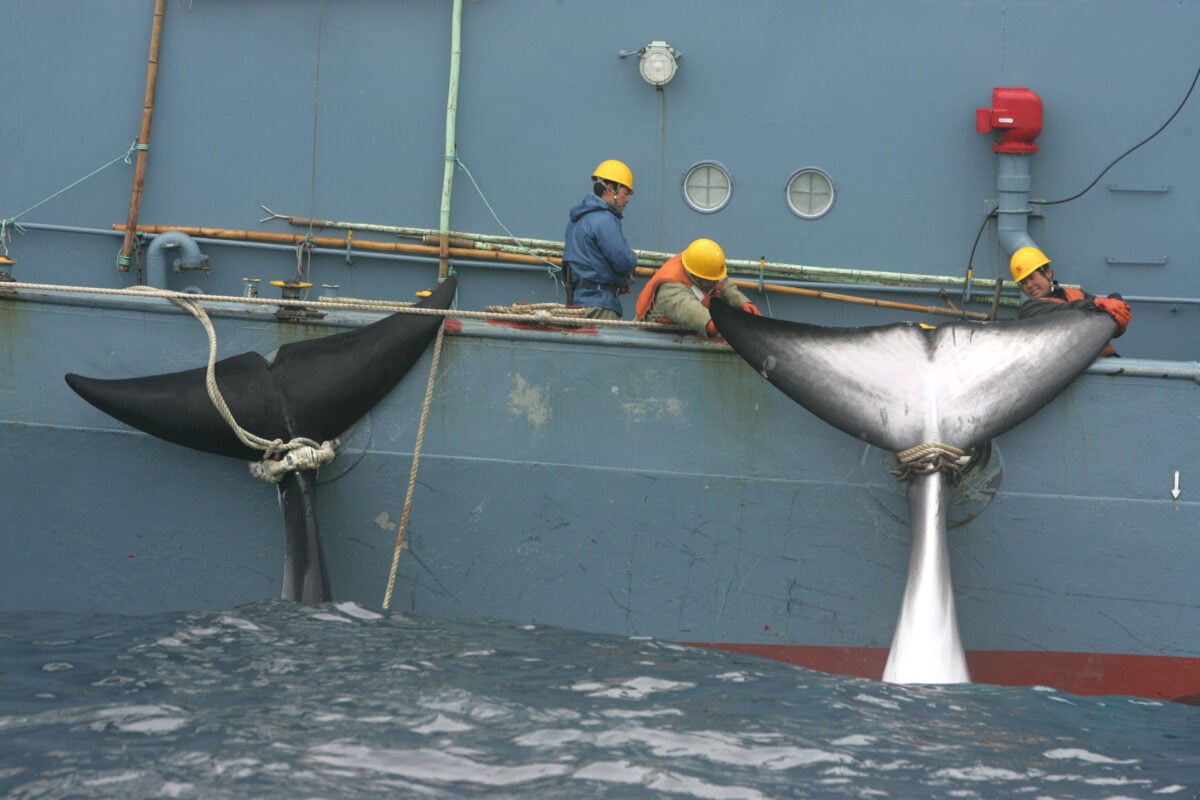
(932, 457)
(296, 457)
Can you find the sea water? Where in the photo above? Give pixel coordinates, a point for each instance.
(276, 700)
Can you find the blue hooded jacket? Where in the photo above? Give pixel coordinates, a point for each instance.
(596, 249)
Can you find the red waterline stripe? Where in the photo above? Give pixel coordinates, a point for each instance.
(1158, 677)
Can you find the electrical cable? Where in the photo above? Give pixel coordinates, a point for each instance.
(1077, 195)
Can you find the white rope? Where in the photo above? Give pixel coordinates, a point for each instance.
(562, 319)
(299, 453)
(412, 475)
(931, 457)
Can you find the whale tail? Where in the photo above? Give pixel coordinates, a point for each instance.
(899, 387)
(315, 389)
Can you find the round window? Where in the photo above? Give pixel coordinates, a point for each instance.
(706, 187)
(809, 193)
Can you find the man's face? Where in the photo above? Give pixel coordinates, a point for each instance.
(1038, 283)
(620, 198)
(705, 284)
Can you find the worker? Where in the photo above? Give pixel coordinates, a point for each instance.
(1031, 270)
(681, 289)
(598, 263)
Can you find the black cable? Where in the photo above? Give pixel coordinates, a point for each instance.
(1135, 147)
(979, 234)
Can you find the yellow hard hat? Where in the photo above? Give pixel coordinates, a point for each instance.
(705, 259)
(615, 171)
(1025, 261)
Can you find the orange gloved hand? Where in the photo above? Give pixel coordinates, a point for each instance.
(750, 308)
(1117, 309)
(711, 329)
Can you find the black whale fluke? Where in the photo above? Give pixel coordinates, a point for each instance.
(314, 389)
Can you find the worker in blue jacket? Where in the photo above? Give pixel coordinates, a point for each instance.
(598, 263)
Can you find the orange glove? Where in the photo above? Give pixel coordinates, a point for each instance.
(711, 329)
(750, 308)
(1117, 309)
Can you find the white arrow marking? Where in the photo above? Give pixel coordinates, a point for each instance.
(1175, 491)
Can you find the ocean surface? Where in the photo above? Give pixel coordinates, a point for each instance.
(275, 700)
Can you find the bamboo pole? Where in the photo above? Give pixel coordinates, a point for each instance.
(650, 258)
(139, 171)
(332, 242)
(465, 253)
(943, 311)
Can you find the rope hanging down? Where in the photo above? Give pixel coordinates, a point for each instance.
(412, 475)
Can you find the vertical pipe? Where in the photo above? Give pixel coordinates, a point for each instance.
(143, 141)
(1013, 183)
(451, 146)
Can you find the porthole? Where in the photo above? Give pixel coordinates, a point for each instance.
(707, 187)
(810, 193)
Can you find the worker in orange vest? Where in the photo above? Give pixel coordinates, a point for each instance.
(682, 288)
(1031, 270)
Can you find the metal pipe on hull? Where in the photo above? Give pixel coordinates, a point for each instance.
(451, 139)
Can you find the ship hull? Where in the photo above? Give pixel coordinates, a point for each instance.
(585, 479)
(620, 479)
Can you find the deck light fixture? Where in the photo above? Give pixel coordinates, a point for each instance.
(657, 63)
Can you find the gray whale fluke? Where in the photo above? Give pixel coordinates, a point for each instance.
(314, 389)
(900, 386)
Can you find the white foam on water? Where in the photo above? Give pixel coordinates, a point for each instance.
(431, 765)
(982, 772)
(1104, 781)
(632, 689)
(442, 724)
(108, 780)
(150, 719)
(550, 737)
(176, 789)
(878, 701)
(663, 781)
(355, 610)
(1084, 755)
(154, 725)
(855, 740)
(622, 713)
(720, 748)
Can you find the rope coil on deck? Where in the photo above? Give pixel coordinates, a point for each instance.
(540, 311)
